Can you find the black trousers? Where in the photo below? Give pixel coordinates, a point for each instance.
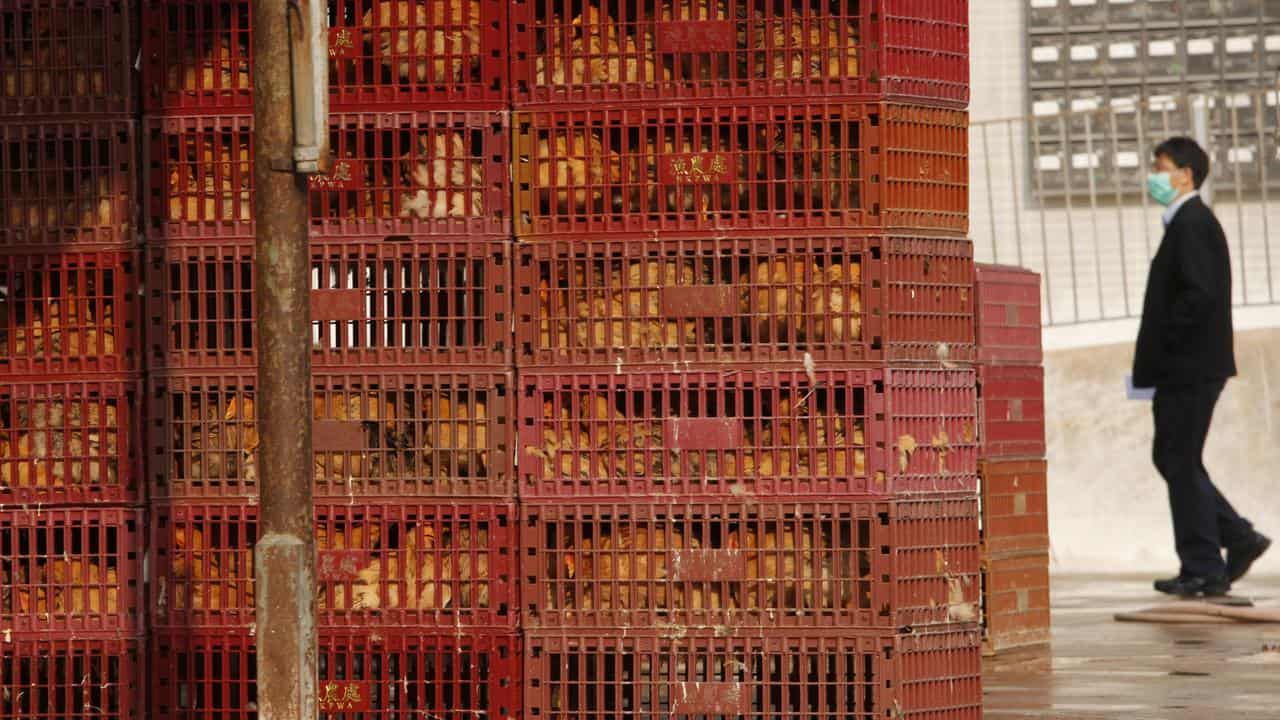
(1203, 521)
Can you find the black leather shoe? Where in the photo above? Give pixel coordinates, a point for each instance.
(1190, 587)
(1241, 557)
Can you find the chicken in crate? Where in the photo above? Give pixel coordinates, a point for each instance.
(71, 570)
(784, 564)
(405, 54)
(610, 52)
(392, 173)
(754, 432)
(747, 432)
(66, 58)
(404, 564)
(68, 312)
(69, 442)
(373, 434)
(757, 297)
(739, 166)
(64, 182)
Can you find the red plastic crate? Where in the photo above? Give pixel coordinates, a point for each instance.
(46, 677)
(71, 570)
(795, 563)
(385, 433)
(70, 313)
(746, 432)
(688, 672)
(741, 166)
(563, 52)
(408, 173)
(197, 54)
(388, 301)
(1011, 408)
(66, 58)
(1015, 505)
(403, 563)
(750, 298)
(66, 183)
(1015, 601)
(69, 442)
(1008, 316)
(370, 673)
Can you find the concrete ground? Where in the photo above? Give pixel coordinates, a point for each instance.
(1099, 668)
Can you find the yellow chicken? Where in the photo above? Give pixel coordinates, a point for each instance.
(774, 294)
(414, 38)
(61, 442)
(628, 570)
(223, 442)
(630, 314)
(381, 437)
(457, 436)
(806, 47)
(835, 303)
(599, 51)
(202, 576)
(67, 327)
(788, 569)
(66, 586)
(220, 63)
(575, 171)
(214, 185)
(444, 178)
(61, 56)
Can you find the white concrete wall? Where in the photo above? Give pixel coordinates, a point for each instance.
(1108, 506)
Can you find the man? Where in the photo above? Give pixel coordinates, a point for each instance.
(1185, 351)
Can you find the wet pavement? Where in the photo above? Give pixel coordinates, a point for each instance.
(1100, 668)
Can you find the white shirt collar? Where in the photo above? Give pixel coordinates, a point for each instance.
(1176, 205)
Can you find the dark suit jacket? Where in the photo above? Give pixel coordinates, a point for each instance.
(1186, 334)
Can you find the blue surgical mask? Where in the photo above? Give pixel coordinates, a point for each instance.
(1161, 188)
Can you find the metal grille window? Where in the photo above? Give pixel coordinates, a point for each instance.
(1103, 76)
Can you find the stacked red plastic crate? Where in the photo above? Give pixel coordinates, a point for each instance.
(747, 413)
(1013, 469)
(413, 431)
(71, 516)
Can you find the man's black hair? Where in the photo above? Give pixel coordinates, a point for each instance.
(1186, 153)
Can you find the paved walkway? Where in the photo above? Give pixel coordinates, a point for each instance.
(1098, 668)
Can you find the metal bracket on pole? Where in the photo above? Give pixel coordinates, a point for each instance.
(309, 56)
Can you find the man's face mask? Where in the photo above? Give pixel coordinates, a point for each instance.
(1160, 186)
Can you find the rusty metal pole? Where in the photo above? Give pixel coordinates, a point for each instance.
(285, 552)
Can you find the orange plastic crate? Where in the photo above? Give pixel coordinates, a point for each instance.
(197, 55)
(1015, 505)
(1015, 601)
(794, 563)
(67, 184)
(67, 58)
(390, 432)
(393, 300)
(700, 50)
(739, 166)
(407, 562)
(756, 297)
(402, 173)
(701, 672)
